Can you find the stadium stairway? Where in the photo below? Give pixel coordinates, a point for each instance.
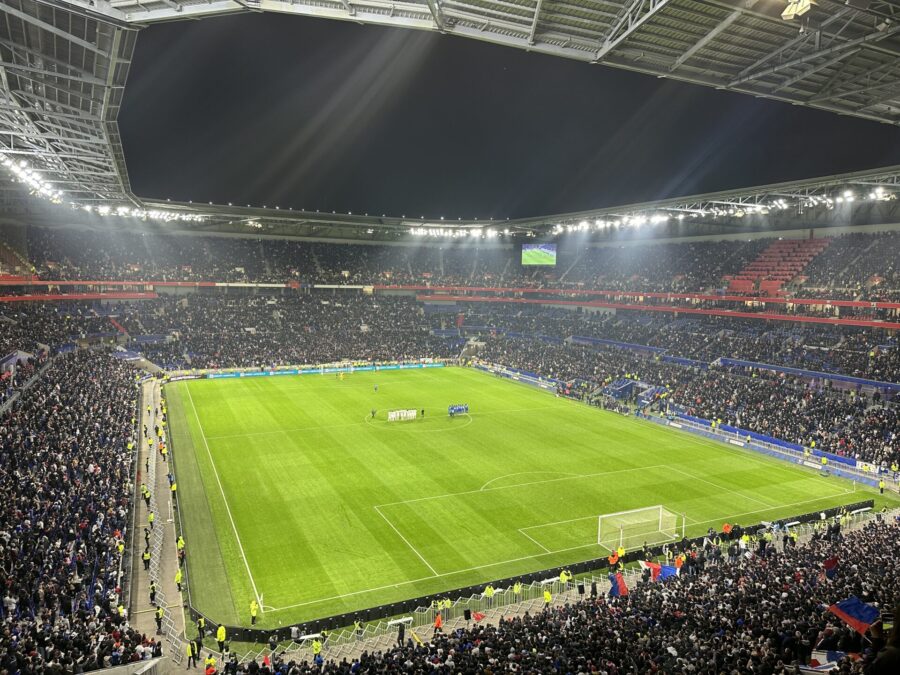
(778, 265)
(164, 563)
(13, 262)
(570, 267)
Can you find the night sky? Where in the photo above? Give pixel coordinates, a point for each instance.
(266, 109)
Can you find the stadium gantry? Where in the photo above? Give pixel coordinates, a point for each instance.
(64, 66)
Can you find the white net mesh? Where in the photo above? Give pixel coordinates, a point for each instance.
(632, 529)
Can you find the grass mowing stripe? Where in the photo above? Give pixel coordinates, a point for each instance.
(520, 485)
(720, 487)
(573, 548)
(206, 562)
(406, 541)
(304, 501)
(365, 421)
(525, 534)
(224, 499)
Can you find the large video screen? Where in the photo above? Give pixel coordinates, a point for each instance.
(538, 254)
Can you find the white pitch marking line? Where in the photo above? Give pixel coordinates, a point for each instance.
(530, 557)
(436, 576)
(518, 485)
(722, 487)
(524, 533)
(772, 508)
(525, 473)
(406, 541)
(287, 431)
(365, 421)
(224, 499)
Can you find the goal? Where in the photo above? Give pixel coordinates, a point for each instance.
(631, 529)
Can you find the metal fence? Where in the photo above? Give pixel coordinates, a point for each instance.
(780, 452)
(506, 602)
(169, 629)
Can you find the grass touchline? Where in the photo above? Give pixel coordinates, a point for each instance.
(283, 491)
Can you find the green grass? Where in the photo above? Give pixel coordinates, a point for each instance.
(287, 488)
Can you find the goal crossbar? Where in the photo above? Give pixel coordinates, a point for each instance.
(631, 529)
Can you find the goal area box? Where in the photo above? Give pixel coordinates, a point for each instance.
(631, 529)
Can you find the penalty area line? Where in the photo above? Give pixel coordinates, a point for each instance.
(531, 557)
(720, 487)
(406, 541)
(723, 519)
(437, 576)
(525, 534)
(484, 489)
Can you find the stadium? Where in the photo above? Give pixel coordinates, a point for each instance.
(630, 427)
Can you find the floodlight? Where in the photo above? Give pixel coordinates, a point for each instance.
(797, 8)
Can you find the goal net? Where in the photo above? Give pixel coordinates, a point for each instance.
(631, 529)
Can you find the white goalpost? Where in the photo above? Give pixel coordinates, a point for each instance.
(631, 529)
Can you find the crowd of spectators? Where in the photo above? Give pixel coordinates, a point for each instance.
(65, 459)
(762, 613)
(850, 423)
(854, 266)
(859, 352)
(33, 327)
(261, 331)
(65, 481)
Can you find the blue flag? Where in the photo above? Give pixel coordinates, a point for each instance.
(855, 613)
(667, 572)
(617, 587)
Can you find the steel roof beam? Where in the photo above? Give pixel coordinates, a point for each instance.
(894, 95)
(800, 39)
(706, 39)
(635, 15)
(843, 47)
(859, 90)
(436, 13)
(534, 22)
(815, 69)
(50, 28)
(25, 52)
(50, 137)
(49, 101)
(84, 78)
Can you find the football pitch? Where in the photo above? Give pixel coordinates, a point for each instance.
(289, 490)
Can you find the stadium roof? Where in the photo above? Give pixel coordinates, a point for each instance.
(64, 65)
(862, 197)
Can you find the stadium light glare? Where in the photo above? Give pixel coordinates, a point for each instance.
(32, 178)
